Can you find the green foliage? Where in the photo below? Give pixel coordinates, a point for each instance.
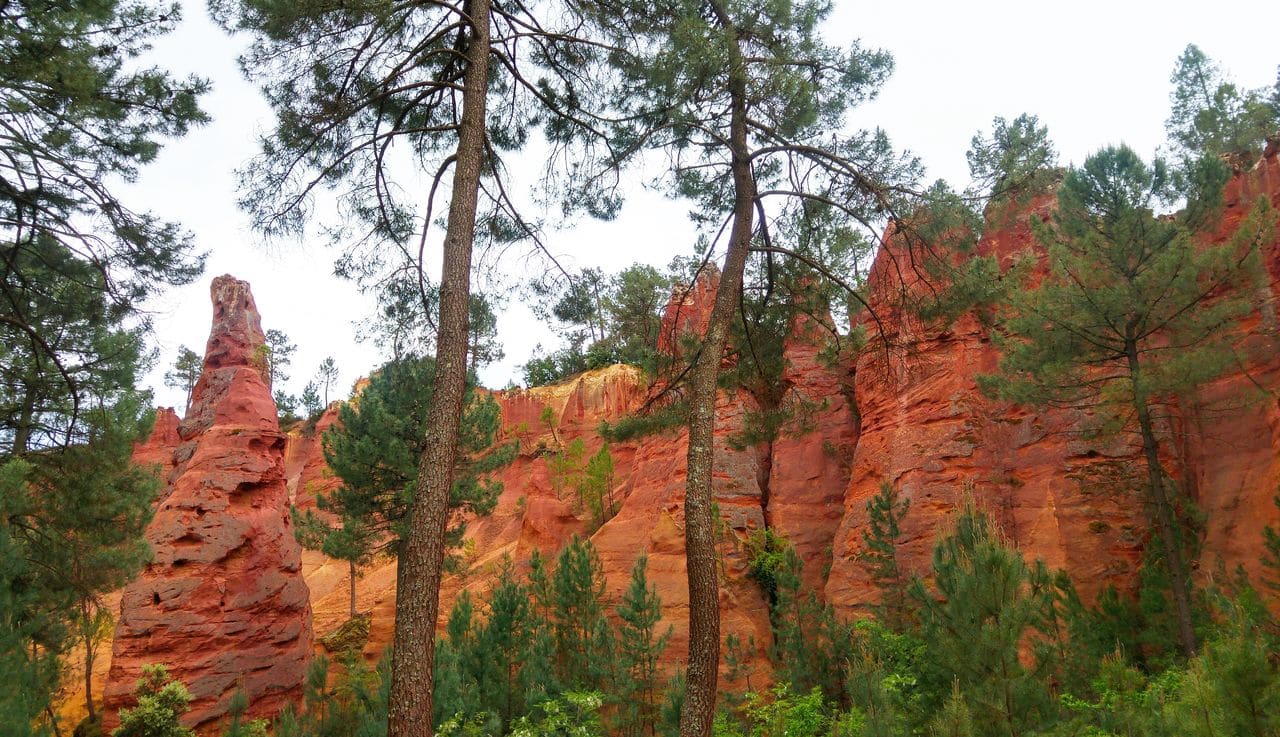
(1211, 117)
(80, 119)
(589, 480)
(185, 372)
(278, 354)
(955, 719)
(348, 83)
(404, 324)
(879, 556)
(326, 375)
(374, 449)
(355, 705)
(768, 555)
(599, 484)
(981, 607)
(576, 714)
(312, 406)
(783, 714)
(584, 642)
(813, 648)
(1016, 162)
(286, 406)
(640, 642)
(602, 320)
(161, 703)
(661, 419)
(528, 647)
(1124, 285)
(236, 725)
(71, 530)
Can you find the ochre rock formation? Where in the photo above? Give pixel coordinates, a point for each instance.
(911, 415)
(223, 604)
(533, 515)
(157, 449)
(305, 469)
(929, 431)
(689, 310)
(1232, 428)
(1059, 496)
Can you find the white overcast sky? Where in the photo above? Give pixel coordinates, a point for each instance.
(1094, 72)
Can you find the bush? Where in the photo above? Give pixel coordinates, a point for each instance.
(161, 703)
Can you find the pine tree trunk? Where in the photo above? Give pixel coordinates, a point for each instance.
(422, 558)
(351, 577)
(698, 711)
(1178, 580)
(22, 433)
(88, 679)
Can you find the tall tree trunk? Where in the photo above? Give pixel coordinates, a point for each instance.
(89, 646)
(351, 577)
(1165, 521)
(22, 433)
(698, 710)
(422, 558)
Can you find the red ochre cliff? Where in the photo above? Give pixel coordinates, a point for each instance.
(223, 604)
(912, 416)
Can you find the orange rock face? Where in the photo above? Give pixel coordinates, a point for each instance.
(223, 604)
(305, 469)
(532, 514)
(913, 417)
(1232, 451)
(928, 430)
(157, 449)
(1072, 501)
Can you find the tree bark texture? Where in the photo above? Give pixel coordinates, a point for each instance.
(422, 557)
(698, 711)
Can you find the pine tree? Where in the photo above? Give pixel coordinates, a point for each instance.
(1211, 116)
(590, 481)
(185, 372)
(374, 449)
(456, 84)
(326, 375)
(583, 642)
(813, 647)
(310, 400)
(504, 645)
(1135, 311)
(885, 512)
(279, 354)
(980, 610)
(161, 703)
(1017, 160)
(73, 507)
(1235, 680)
(79, 121)
(458, 690)
(597, 486)
(955, 719)
(640, 644)
(742, 97)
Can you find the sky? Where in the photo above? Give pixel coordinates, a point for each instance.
(1096, 73)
